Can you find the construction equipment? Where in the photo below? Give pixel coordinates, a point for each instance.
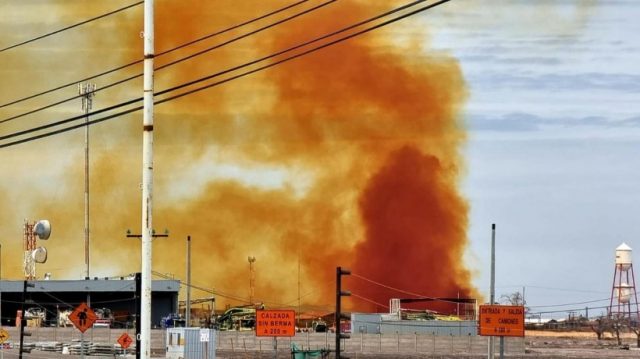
(238, 318)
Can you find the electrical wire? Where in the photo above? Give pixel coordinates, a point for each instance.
(369, 300)
(564, 289)
(102, 88)
(319, 47)
(122, 67)
(389, 287)
(564, 310)
(403, 291)
(290, 49)
(206, 290)
(240, 66)
(71, 26)
(568, 304)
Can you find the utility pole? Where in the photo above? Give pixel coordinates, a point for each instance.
(252, 278)
(492, 289)
(339, 316)
(138, 296)
(140, 301)
(26, 285)
(298, 315)
(87, 92)
(188, 303)
(1, 350)
(147, 180)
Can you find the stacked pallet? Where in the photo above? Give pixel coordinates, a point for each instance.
(49, 346)
(77, 347)
(101, 349)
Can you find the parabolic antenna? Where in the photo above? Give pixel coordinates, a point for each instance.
(42, 228)
(39, 255)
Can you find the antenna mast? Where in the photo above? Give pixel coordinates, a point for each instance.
(87, 91)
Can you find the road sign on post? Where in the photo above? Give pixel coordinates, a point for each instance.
(125, 340)
(275, 323)
(83, 317)
(4, 335)
(501, 320)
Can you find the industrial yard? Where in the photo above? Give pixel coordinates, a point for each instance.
(537, 344)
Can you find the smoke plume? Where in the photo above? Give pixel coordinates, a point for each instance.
(345, 157)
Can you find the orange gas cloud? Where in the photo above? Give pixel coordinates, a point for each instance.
(348, 156)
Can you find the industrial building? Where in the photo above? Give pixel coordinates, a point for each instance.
(402, 321)
(50, 300)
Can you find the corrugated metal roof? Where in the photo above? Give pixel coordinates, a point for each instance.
(91, 285)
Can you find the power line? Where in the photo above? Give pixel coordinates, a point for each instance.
(389, 287)
(206, 290)
(71, 26)
(568, 304)
(307, 52)
(121, 67)
(290, 49)
(319, 47)
(102, 88)
(369, 300)
(420, 296)
(293, 48)
(565, 310)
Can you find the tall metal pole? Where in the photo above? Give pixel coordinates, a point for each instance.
(188, 306)
(338, 309)
(1, 349)
(22, 323)
(252, 279)
(138, 297)
(298, 315)
(87, 91)
(492, 289)
(147, 180)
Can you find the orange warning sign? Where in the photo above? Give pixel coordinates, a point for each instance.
(125, 340)
(501, 320)
(275, 323)
(83, 317)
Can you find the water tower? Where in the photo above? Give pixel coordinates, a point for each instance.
(624, 299)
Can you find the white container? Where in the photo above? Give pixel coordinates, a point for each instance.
(624, 293)
(623, 256)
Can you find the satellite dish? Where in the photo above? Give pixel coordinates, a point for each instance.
(42, 228)
(39, 255)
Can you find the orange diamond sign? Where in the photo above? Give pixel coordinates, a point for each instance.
(83, 317)
(125, 340)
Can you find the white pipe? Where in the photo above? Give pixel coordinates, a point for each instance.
(147, 182)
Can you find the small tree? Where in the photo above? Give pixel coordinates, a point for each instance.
(600, 326)
(636, 330)
(515, 298)
(616, 323)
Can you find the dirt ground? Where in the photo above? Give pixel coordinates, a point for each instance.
(579, 344)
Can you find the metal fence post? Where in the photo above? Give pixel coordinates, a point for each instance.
(434, 343)
(451, 335)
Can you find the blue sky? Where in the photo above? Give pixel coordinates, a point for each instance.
(553, 118)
